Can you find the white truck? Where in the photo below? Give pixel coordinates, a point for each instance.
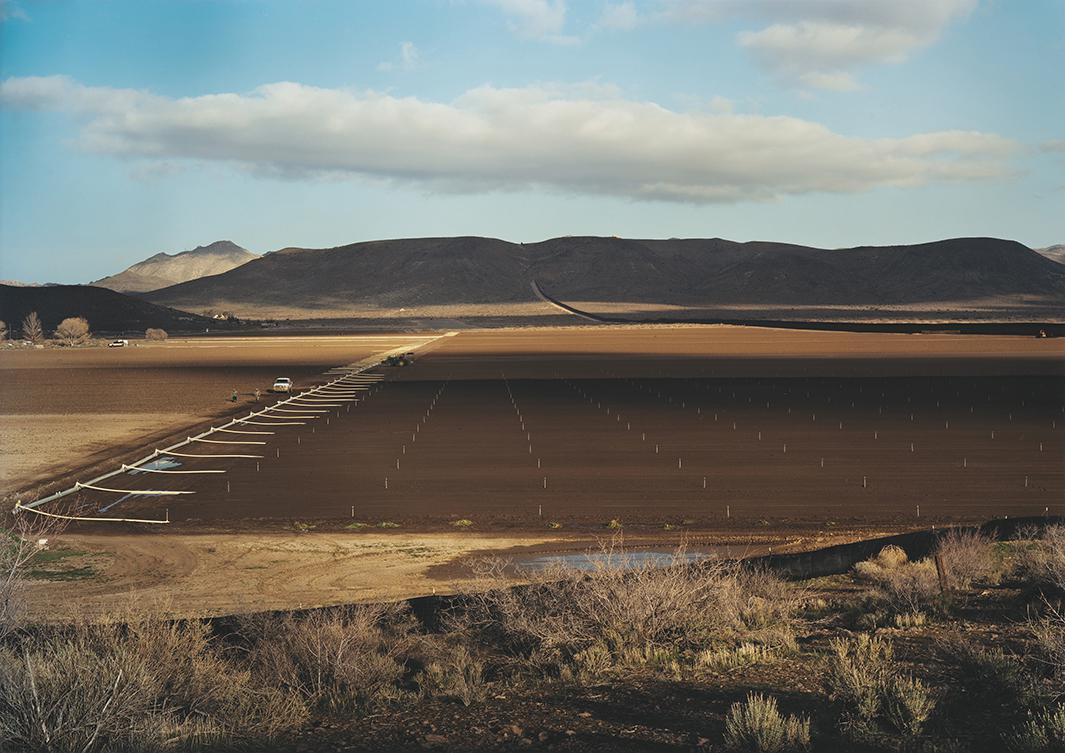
(282, 384)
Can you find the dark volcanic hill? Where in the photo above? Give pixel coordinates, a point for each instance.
(106, 310)
(964, 277)
(164, 269)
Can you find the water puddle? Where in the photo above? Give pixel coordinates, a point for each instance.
(164, 463)
(159, 464)
(612, 560)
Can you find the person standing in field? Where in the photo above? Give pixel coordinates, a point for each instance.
(258, 394)
(233, 397)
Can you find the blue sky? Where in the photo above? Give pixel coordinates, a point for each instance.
(128, 128)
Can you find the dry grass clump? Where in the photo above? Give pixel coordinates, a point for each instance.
(968, 557)
(1049, 635)
(989, 678)
(879, 700)
(337, 660)
(453, 673)
(757, 726)
(580, 624)
(1042, 733)
(145, 686)
(900, 586)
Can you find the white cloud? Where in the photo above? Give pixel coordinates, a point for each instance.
(586, 139)
(1053, 146)
(721, 104)
(537, 19)
(9, 9)
(819, 43)
(409, 59)
(619, 16)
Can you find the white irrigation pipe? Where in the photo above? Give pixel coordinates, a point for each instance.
(273, 423)
(20, 506)
(191, 455)
(302, 410)
(146, 492)
(238, 431)
(230, 441)
(353, 374)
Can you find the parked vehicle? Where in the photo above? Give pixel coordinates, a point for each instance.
(118, 343)
(282, 384)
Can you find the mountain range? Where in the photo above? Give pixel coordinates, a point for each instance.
(1054, 253)
(963, 278)
(165, 269)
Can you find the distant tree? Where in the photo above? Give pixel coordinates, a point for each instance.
(3, 330)
(153, 333)
(32, 329)
(73, 330)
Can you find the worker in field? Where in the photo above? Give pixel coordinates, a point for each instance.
(258, 394)
(233, 397)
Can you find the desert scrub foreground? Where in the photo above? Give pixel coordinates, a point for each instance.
(961, 654)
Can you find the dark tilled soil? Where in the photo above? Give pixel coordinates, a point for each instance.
(646, 452)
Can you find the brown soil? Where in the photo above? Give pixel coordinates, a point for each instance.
(70, 408)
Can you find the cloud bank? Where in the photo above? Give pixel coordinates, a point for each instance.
(588, 140)
(820, 43)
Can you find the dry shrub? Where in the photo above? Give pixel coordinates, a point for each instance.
(627, 610)
(339, 659)
(862, 676)
(1042, 733)
(990, 678)
(757, 726)
(1042, 560)
(1049, 635)
(856, 671)
(968, 557)
(908, 703)
(900, 585)
(455, 674)
(154, 333)
(140, 687)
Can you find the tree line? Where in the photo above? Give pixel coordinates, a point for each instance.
(73, 330)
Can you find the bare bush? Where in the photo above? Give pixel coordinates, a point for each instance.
(757, 726)
(32, 329)
(142, 686)
(338, 659)
(629, 611)
(153, 333)
(1042, 560)
(20, 534)
(3, 331)
(967, 557)
(73, 330)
